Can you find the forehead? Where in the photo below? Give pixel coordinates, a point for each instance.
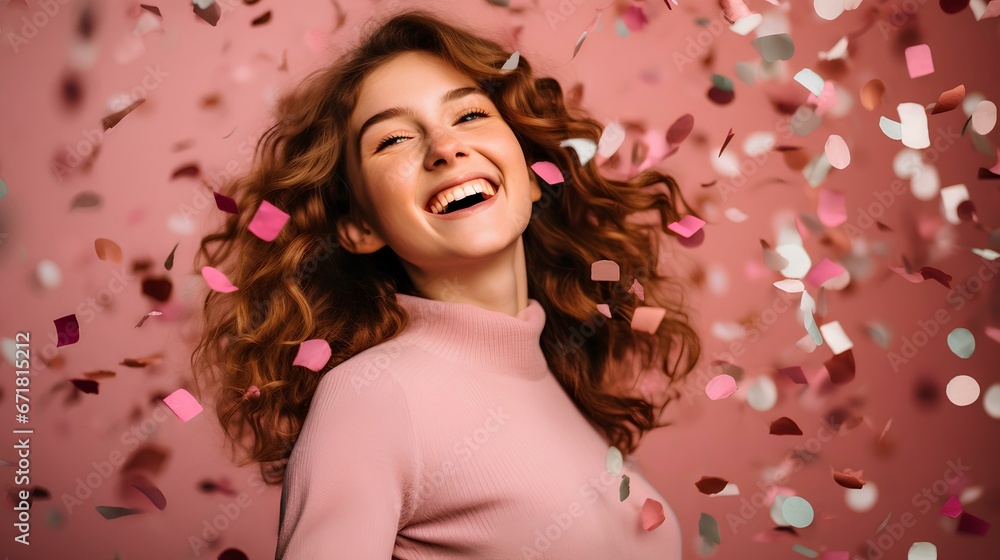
(410, 78)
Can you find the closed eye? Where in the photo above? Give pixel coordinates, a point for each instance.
(391, 139)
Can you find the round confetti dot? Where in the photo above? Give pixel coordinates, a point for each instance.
(837, 151)
(797, 512)
(828, 9)
(962, 390)
(49, 274)
(991, 401)
(862, 499)
(922, 551)
(762, 394)
(906, 163)
(984, 117)
(961, 342)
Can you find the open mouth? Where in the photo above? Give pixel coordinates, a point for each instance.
(460, 198)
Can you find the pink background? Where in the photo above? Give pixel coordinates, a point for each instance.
(634, 78)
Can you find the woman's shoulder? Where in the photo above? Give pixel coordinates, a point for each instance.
(376, 367)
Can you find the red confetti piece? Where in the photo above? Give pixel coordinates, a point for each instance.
(726, 143)
(111, 512)
(949, 100)
(721, 96)
(261, 19)
(85, 385)
(232, 554)
(841, 367)
(849, 479)
(711, 484)
(680, 130)
(190, 170)
(68, 330)
(210, 15)
(953, 6)
(785, 426)
(968, 523)
(226, 204)
(794, 373)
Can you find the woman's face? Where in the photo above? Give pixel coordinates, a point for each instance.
(434, 134)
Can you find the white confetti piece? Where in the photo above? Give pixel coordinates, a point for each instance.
(862, 499)
(797, 511)
(913, 125)
(762, 394)
(951, 197)
(810, 80)
(835, 336)
(962, 390)
(891, 128)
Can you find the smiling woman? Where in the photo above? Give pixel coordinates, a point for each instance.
(460, 414)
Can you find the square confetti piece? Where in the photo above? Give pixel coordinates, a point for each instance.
(183, 405)
(918, 60)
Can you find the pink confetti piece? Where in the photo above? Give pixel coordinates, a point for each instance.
(952, 508)
(638, 290)
(68, 330)
(652, 514)
(823, 271)
(837, 152)
(548, 172)
(832, 208)
(267, 221)
(918, 60)
(687, 226)
(251, 392)
(605, 271)
(720, 387)
(226, 204)
(647, 318)
(634, 18)
(604, 309)
(313, 354)
(183, 405)
(734, 9)
(217, 280)
(992, 10)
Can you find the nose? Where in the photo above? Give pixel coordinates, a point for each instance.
(443, 147)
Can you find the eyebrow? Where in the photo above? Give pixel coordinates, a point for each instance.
(394, 112)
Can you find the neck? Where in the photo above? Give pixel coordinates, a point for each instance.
(498, 283)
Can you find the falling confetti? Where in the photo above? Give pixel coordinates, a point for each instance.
(961, 342)
(548, 172)
(613, 461)
(962, 390)
(313, 354)
(183, 405)
(605, 271)
(217, 280)
(267, 221)
(785, 426)
(720, 387)
(711, 484)
(918, 60)
(797, 512)
(652, 514)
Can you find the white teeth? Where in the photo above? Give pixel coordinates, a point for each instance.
(461, 191)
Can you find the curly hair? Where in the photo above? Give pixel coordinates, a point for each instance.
(302, 285)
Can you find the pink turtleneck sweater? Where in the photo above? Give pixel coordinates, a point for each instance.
(453, 440)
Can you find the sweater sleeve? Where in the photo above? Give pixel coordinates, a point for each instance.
(350, 482)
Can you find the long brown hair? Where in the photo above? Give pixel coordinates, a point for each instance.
(302, 285)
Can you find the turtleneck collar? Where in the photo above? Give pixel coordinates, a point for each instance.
(484, 339)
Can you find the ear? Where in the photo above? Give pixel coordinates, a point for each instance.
(357, 236)
(536, 189)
